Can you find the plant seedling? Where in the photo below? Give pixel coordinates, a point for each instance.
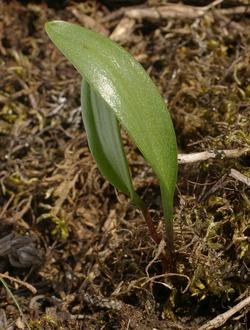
(117, 90)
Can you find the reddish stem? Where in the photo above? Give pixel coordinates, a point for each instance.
(166, 258)
(156, 237)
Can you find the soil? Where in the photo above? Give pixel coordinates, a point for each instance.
(74, 254)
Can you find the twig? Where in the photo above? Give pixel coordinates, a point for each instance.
(219, 320)
(167, 11)
(218, 185)
(5, 207)
(173, 11)
(213, 4)
(180, 11)
(114, 15)
(240, 177)
(27, 285)
(88, 21)
(127, 17)
(205, 155)
(234, 11)
(123, 30)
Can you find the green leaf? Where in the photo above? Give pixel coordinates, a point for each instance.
(105, 141)
(129, 92)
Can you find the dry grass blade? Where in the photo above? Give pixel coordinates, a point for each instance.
(15, 301)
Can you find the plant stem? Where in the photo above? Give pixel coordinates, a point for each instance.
(170, 246)
(168, 257)
(167, 203)
(153, 233)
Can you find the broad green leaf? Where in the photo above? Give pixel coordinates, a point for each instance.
(105, 141)
(129, 92)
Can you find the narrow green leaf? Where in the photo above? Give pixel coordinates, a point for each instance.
(130, 93)
(105, 141)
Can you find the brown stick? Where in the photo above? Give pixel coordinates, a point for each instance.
(219, 320)
(168, 11)
(174, 11)
(13, 279)
(179, 11)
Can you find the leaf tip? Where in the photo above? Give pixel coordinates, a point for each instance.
(53, 26)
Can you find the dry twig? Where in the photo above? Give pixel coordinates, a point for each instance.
(27, 285)
(128, 16)
(123, 30)
(219, 320)
(205, 155)
(180, 11)
(240, 177)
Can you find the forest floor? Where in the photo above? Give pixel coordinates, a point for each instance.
(74, 253)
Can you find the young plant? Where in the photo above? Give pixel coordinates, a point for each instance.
(117, 90)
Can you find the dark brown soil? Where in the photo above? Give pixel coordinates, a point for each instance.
(64, 230)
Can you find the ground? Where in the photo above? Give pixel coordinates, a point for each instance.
(74, 254)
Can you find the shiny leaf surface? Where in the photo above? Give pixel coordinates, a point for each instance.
(130, 93)
(104, 141)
